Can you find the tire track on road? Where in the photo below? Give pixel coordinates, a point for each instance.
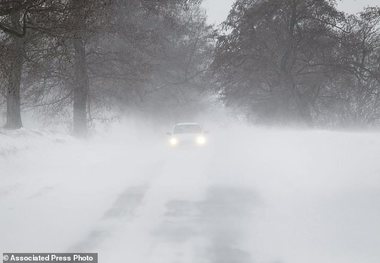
(122, 211)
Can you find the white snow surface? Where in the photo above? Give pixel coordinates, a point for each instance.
(253, 195)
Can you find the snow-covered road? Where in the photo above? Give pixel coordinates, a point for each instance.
(252, 195)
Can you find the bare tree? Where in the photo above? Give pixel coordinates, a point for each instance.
(275, 57)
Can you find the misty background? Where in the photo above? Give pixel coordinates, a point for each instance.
(287, 90)
(74, 65)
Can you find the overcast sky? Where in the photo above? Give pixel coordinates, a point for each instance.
(218, 10)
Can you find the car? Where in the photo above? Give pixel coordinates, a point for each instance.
(190, 134)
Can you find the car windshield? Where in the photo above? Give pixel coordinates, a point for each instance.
(187, 128)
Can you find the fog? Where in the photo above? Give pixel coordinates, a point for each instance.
(190, 131)
(251, 195)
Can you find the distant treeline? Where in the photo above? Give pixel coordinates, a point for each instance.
(85, 60)
(301, 61)
(276, 61)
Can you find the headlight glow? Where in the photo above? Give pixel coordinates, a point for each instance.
(173, 141)
(201, 140)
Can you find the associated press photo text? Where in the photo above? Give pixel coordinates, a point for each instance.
(50, 257)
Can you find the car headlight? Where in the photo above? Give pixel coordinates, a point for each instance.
(173, 141)
(201, 140)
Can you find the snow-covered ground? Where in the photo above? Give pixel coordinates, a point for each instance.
(253, 195)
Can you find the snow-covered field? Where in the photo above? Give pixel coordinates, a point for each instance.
(253, 195)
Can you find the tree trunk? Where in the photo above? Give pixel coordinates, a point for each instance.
(80, 88)
(14, 83)
(81, 82)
